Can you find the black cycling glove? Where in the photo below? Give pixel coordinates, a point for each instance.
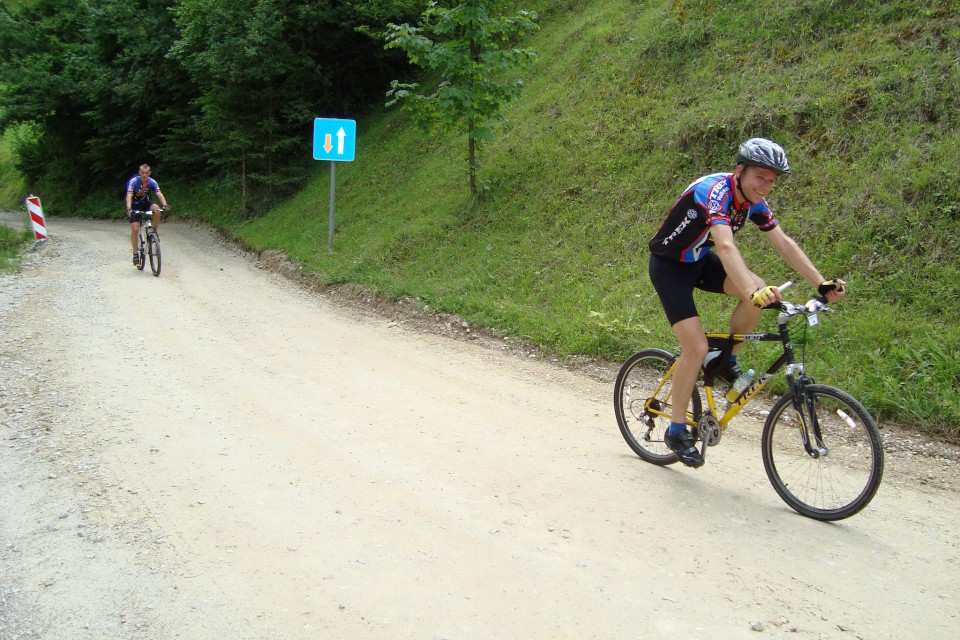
(829, 285)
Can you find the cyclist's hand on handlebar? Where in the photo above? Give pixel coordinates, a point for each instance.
(832, 290)
(129, 211)
(166, 207)
(765, 296)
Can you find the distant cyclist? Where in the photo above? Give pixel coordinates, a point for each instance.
(138, 199)
(705, 217)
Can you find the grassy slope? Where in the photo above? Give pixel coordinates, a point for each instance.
(12, 186)
(12, 193)
(629, 102)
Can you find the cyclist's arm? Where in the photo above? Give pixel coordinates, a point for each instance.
(129, 195)
(156, 190)
(794, 256)
(732, 260)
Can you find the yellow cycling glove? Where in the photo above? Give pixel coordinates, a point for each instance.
(763, 297)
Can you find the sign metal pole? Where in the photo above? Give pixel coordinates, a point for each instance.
(334, 140)
(333, 191)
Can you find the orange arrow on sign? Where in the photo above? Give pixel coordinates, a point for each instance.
(328, 143)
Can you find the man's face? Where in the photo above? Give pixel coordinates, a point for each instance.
(144, 173)
(756, 182)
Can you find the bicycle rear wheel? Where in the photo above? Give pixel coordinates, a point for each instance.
(642, 404)
(841, 477)
(153, 248)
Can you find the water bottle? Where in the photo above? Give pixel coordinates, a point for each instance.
(740, 384)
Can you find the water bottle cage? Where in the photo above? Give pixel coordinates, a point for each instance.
(717, 357)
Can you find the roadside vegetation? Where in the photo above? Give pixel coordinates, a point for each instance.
(13, 187)
(628, 102)
(12, 191)
(12, 244)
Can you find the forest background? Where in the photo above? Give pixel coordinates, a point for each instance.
(627, 102)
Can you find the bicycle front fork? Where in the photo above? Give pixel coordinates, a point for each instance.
(805, 408)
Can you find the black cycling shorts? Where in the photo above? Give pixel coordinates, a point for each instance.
(675, 281)
(141, 205)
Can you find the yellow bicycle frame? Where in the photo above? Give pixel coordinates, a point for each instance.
(734, 407)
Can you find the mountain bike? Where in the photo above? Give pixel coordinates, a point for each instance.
(149, 244)
(821, 449)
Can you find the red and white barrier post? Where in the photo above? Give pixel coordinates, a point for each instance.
(36, 218)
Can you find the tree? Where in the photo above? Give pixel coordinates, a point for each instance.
(201, 88)
(91, 84)
(470, 46)
(265, 69)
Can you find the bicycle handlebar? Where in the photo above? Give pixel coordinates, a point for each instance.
(150, 212)
(810, 307)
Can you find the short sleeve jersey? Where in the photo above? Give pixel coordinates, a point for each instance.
(684, 235)
(136, 187)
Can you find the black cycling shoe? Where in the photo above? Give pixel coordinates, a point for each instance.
(730, 372)
(685, 447)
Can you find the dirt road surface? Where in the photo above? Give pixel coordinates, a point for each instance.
(218, 453)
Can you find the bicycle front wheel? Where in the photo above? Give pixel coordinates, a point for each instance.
(153, 248)
(841, 473)
(642, 402)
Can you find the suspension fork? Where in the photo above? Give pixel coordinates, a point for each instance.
(804, 405)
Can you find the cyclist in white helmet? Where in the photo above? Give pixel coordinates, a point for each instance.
(694, 249)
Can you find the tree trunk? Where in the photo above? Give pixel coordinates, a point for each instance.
(472, 160)
(475, 50)
(243, 184)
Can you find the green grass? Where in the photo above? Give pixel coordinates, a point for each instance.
(628, 103)
(13, 189)
(12, 243)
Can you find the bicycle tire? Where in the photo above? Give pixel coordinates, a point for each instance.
(841, 480)
(636, 383)
(153, 248)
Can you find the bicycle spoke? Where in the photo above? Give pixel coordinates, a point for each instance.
(842, 472)
(642, 404)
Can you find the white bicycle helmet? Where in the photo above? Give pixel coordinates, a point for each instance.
(760, 152)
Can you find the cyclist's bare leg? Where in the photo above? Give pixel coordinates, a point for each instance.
(693, 349)
(156, 215)
(134, 231)
(745, 316)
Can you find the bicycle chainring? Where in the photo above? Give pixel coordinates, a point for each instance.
(708, 428)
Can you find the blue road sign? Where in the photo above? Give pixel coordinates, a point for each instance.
(334, 139)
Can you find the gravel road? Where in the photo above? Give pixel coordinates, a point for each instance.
(219, 453)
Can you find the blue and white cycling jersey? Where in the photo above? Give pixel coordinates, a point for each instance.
(684, 235)
(141, 191)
